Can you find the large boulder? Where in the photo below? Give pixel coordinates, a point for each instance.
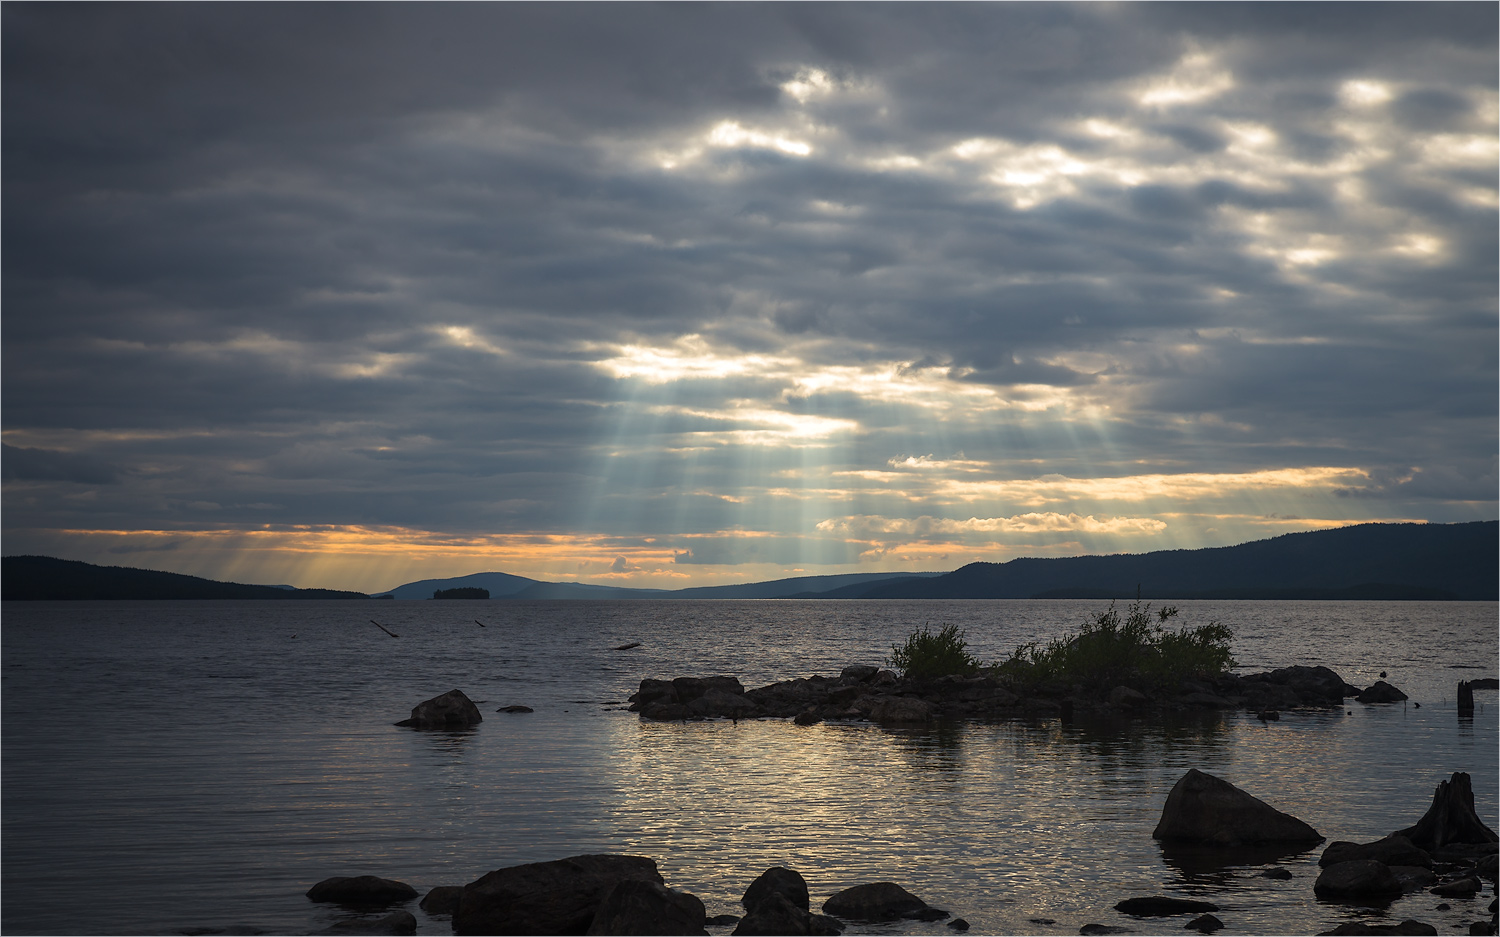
(641, 907)
(718, 703)
(878, 901)
(1359, 879)
(557, 897)
(1395, 849)
(362, 891)
(1204, 809)
(442, 899)
(452, 710)
(1313, 686)
(690, 688)
(777, 881)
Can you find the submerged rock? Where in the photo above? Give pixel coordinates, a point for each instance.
(1408, 927)
(449, 711)
(1205, 924)
(362, 891)
(557, 897)
(1204, 809)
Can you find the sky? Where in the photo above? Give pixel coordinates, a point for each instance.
(351, 295)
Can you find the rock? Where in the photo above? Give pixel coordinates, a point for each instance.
(515, 709)
(1205, 701)
(1482, 927)
(1277, 873)
(664, 712)
(1088, 930)
(1204, 809)
(690, 688)
(1486, 867)
(807, 717)
(959, 924)
(775, 914)
(366, 891)
(723, 920)
(886, 678)
(1451, 818)
(448, 711)
(1361, 878)
(396, 923)
(1466, 887)
(1485, 683)
(927, 915)
(1313, 686)
(718, 703)
(1408, 926)
(777, 881)
(1413, 877)
(557, 897)
(654, 691)
(858, 672)
(1394, 849)
(878, 901)
(902, 710)
(634, 906)
(442, 900)
(1206, 924)
(1123, 697)
(1162, 906)
(1381, 692)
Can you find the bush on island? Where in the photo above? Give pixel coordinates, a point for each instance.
(1137, 648)
(926, 656)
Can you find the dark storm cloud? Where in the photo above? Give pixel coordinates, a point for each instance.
(370, 264)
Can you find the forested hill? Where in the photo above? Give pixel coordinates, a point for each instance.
(44, 577)
(1367, 561)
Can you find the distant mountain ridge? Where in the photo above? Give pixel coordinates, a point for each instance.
(1364, 561)
(32, 578)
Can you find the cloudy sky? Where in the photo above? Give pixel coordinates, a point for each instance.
(351, 295)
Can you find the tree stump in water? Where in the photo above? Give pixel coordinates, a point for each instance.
(1465, 698)
(1451, 818)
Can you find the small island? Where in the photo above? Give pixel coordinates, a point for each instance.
(463, 592)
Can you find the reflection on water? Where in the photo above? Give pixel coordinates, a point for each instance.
(221, 810)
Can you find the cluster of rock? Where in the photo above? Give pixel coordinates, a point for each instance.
(864, 692)
(610, 894)
(1448, 852)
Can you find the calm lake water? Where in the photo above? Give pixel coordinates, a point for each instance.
(171, 766)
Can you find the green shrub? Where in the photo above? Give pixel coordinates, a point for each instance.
(1137, 649)
(925, 655)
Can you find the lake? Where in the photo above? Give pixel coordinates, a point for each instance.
(171, 767)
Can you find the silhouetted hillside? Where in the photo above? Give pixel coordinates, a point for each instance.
(1367, 561)
(44, 577)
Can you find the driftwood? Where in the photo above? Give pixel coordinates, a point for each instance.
(1451, 818)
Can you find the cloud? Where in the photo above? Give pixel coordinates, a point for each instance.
(471, 271)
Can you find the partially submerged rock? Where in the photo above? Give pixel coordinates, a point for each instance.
(1162, 906)
(776, 915)
(635, 906)
(1381, 692)
(1359, 879)
(1204, 924)
(778, 881)
(368, 891)
(1407, 927)
(557, 897)
(1204, 809)
(451, 710)
(442, 900)
(877, 901)
(397, 924)
(1394, 849)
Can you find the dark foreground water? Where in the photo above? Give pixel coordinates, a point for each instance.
(176, 766)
